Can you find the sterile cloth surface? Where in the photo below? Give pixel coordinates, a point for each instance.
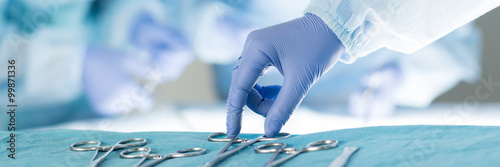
(420, 145)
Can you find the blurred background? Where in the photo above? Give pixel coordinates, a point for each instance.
(165, 65)
(488, 24)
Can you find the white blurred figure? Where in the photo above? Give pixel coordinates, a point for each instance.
(126, 65)
(82, 56)
(48, 41)
(153, 41)
(415, 80)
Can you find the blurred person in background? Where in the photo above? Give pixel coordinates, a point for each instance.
(106, 57)
(48, 41)
(92, 58)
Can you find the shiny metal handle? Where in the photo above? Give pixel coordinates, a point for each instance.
(282, 136)
(279, 161)
(221, 156)
(133, 143)
(321, 145)
(213, 137)
(96, 146)
(189, 152)
(181, 153)
(145, 150)
(270, 148)
(226, 154)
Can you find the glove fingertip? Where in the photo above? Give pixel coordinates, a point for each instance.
(231, 136)
(232, 132)
(272, 128)
(233, 124)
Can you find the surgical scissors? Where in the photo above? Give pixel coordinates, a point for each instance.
(159, 158)
(223, 153)
(278, 148)
(96, 145)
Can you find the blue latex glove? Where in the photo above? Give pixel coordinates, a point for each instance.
(168, 50)
(302, 50)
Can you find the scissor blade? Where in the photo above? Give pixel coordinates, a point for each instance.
(275, 155)
(96, 162)
(281, 160)
(214, 160)
(156, 162)
(226, 146)
(226, 154)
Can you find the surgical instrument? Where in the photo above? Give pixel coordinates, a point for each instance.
(223, 153)
(96, 145)
(278, 148)
(342, 159)
(189, 152)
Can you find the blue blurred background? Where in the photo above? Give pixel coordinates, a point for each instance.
(165, 65)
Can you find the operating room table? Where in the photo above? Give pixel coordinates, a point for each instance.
(418, 145)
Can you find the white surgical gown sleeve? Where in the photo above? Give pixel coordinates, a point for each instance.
(400, 25)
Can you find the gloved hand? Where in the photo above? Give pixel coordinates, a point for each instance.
(168, 50)
(302, 50)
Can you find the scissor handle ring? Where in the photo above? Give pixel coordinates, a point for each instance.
(283, 136)
(123, 143)
(270, 148)
(321, 145)
(189, 152)
(212, 136)
(146, 150)
(97, 146)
